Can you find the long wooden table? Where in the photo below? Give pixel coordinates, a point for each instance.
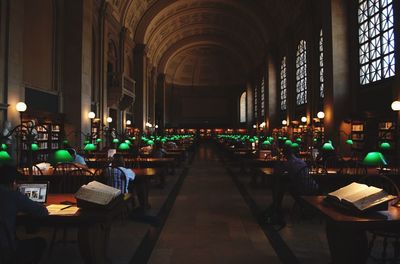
(93, 226)
(346, 231)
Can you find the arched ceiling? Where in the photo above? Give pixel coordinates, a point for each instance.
(184, 34)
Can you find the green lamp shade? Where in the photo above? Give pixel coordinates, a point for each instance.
(123, 146)
(298, 140)
(128, 142)
(4, 156)
(279, 138)
(288, 142)
(267, 142)
(385, 146)
(295, 145)
(349, 142)
(99, 140)
(374, 159)
(34, 147)
(150, 142)
(90, 147)
(65, 142)
(328, 147)
(251, 140)
(163, 140)
(115, 140)
(284, 138)
(62, 156)
(314, 139)
(86, 142)
(3, 146)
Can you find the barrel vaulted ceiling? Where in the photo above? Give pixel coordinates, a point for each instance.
(206, 42)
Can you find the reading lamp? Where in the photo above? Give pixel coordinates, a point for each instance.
(4, 157)
(90, 147)
(295, 145)
(385, 146)
(34, 147)
(266, 142)
(62, 156)
(349, 142)
(288, 142)
(374, 159)
(124, 146)
(115, 140)
(328, 147)
(3, 146)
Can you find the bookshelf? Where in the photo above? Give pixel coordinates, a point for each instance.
(47, 133)
(387, 133)
(358, 135)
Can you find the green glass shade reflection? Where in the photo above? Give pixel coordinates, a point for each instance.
(62, 156)
(374, 159)
(328, 147)
(3, 146)
(123, 146)
(349, 142)
(90, 147)
(115, 140)
(34, 147)
(385, 146)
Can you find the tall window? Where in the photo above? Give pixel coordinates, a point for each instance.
(283, 84)
(376, 39)
(301, 73)
(321, 65)
(243, 107)
(255, 101)
(262, 94)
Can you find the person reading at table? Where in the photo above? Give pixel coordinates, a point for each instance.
(291, 174)
(12, 202)
(158, 151)
(78, 159)
(118, 162)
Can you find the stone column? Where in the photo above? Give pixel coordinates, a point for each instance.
(160, 101)
(139, 59)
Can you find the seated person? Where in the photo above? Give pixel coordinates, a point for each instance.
(12, 202)
(297, 179)
(170, 145)
(78, 159)
(158, 151)
(118, 161)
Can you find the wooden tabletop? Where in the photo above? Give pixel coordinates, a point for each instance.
(366, 220)
(267, 170)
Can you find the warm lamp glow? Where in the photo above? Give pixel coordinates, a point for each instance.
(91, 115)
(284, 122)
(396, 106)
(156, 126)
(320, 115)
(128, 122)
(109, 119)
(21, 107)
(303, 119)
(254, 126)
(262, 124)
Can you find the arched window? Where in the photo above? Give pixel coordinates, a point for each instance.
(262, 94)
(321, 65)
(243, 109)
(301, 73)
(376, 40)
(283, 84)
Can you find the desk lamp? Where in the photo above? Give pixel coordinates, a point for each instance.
(328, 147)
(385, 146)
(34, 147)
(374, 159)
(62, 155)
(90, 147)
(124, 146)
(4, 157)
(349, 142)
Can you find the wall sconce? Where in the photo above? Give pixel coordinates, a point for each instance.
(303, 119)
(91, 115)
(395, 106)
(21, 107)
(254, 126)
(284, 122)
(156, 126)
(148, 124)
(262, 125)
(128, 122)
(109, 119)
(321, 115)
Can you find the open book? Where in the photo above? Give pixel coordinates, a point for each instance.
(98, 193)
(360, 196)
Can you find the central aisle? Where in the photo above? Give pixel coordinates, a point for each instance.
(210, 222)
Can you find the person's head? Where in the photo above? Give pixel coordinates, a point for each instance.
(118, 160)
(288, 152)
(71, 152)
(8, 175)
(158, 145)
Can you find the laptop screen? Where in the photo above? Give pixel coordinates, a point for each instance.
(35, 191)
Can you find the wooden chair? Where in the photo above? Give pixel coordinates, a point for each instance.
(36, 171)
(387, 235)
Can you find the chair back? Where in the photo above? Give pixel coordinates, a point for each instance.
(74, 179)
(36, 171)
(115, 177)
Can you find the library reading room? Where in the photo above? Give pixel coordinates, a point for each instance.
(199, 131)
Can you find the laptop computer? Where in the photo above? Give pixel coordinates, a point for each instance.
(36, 191)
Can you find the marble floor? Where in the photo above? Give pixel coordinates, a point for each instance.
(210, 222)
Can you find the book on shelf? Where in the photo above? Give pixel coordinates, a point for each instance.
(360, 197)
(96, 193)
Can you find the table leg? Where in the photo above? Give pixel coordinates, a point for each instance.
(346, 244)
(93, 243)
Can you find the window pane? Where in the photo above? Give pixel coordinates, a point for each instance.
(283, 84)
(301, 73)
